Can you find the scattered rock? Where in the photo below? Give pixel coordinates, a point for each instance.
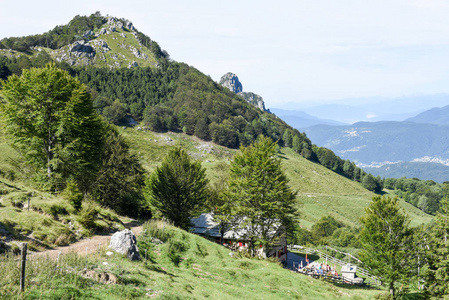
(80, 48)
(103, 277)
(156, 241)
(130, 26)
(109, 253)
(87, 34)
(133, 64)
(124, 242)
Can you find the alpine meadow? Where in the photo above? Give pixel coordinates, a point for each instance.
(102, 131)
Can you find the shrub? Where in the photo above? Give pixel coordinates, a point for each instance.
(73, 195)
(87, 215)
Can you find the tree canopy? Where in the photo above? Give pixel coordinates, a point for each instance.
(50, 116)
(178, 187)
(258, 194)
(437, 272)
(386, 240)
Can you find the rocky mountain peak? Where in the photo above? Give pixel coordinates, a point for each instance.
(231, 81)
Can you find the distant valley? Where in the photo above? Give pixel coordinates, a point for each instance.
(415, 147)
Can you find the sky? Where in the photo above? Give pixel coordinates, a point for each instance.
(295, 51)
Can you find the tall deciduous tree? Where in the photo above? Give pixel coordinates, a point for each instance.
(259, 195)
(386, 240)
(178, 187)
(50, 116)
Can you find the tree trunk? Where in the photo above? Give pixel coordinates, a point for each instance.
(392, 289)
(49, 158)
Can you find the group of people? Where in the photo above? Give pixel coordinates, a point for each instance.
(319, 269)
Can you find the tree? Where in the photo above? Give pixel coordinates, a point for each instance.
(115, 113)
(372, 184)
(437, 273)
(287, 138)
(50, 116)
(296, 144)
(325, 227)
(258, 193)
(120, 180)
(178, 187)
(386, 240)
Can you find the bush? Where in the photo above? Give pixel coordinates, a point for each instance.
(87, 215)
(73, 195)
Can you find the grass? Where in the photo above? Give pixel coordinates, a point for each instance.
(50, 221)
(203, 270)
(321, 192)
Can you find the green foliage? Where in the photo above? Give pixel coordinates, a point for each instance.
(115, 113)
(386, 241)
(288, 139)
(259, 195)
(178, 188)
(424, 194)
(73, 195)
(372, 184)
(120, 180)
(437, 254)
(87, 216)
(58, 37)
(50, 116)
(324, 228)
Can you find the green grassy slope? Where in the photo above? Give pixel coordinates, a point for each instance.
(321, 192)
(205, 270)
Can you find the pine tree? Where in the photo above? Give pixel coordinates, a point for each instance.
(386, 240)
(437, 273)
(258, 194)
(178, 187)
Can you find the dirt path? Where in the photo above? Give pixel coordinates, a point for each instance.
(86, 246)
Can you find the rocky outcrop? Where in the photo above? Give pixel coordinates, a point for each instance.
(80, 48)
(254, 99)
(124, 242)
(231, 81)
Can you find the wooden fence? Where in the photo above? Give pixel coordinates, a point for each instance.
(370, 279)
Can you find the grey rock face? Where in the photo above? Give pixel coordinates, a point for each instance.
(81, 49)
(124, 242)
(231, 81)
(254, 99)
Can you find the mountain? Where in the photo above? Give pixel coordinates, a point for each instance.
(379, 143)
(132, 78)
(95, 40)
(372, 109)
(232, 82)
(301, 119)
(437, 115)
(422, 170)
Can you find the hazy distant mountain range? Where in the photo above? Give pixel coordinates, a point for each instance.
(417, 146)
(378, 143)
(300, 119)
(373, 109)
(439, 116)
